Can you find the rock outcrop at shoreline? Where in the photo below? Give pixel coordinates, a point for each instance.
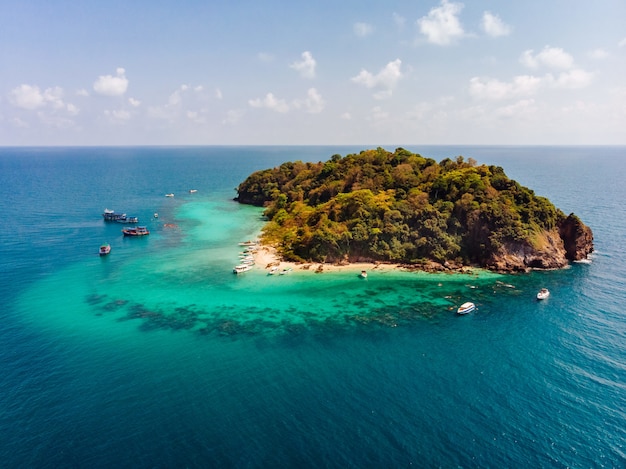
(402, 208)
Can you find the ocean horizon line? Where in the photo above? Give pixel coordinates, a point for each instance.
(309, 145)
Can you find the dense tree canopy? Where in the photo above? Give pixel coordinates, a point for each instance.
(395, 206)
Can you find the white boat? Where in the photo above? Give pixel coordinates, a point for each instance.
(363, 274)
(543, 294)
(193, 191)
(105, 249)
(169, 195)
(273, 270)
(285, 271)
(239, 269)
(248, 243)
(465, 308)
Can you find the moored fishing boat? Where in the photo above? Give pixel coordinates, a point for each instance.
(126, 219)
(112, 215)
(104, 249)
(136, 231)
(239, 269)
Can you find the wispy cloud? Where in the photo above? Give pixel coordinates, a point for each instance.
(598, 54)
(399, 21)
(313, 103)
(493, 26)
(442, 25)
(492, 89)
(306, 66)
(270, 102)
(362, 29)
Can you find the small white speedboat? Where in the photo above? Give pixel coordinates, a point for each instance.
(465, 308)
(543, 294)
(363, 274)
(241, 268)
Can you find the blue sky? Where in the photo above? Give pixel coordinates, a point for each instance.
(349, 72)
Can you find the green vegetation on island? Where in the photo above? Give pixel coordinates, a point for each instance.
(400, 207)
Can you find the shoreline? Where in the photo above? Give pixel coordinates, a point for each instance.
(267, 257)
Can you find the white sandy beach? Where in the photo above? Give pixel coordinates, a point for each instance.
(267, 257)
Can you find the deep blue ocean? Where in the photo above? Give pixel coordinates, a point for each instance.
(159, 356)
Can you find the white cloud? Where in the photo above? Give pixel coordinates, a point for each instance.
(313, 103)
(362, 29)
(346, 116)
(442, 25)
(270, 102)
(552, 57)
(622, 43)
(307, 66)
(573, 79)
(134, 102)
(493, 89)
(31, 97)
(218, 93)
(494, 26)
(109, 85)
(82, 92)
(385, 80)
(27, 97)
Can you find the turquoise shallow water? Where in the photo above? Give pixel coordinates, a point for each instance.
(158, 356)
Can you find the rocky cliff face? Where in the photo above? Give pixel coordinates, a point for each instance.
(571, 240)
(577, 238)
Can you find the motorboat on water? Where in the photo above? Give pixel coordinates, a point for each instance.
(169, 195)
(273, 270)
(126, 219)
(465, 308)
(105, 249)
(112, 215)
(285, 271)
(239, 269)
(248, 243)
(543, 294)
(136, 231)
(363, 274)
(193, 191)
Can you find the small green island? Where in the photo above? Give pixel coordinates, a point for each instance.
(400, 207)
